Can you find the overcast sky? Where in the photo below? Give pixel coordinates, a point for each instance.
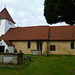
(26, 12)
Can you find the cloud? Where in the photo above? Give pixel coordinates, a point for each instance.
(25, 12)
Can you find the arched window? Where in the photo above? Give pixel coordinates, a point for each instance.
(72, 45)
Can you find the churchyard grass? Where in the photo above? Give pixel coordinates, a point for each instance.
(44, 65)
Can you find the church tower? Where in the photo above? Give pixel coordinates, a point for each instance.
(6, 21)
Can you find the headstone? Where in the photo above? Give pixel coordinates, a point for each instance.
(7, 59)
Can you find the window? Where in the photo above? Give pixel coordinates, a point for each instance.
(52, 47)
(10, 23)
(72, 45)
(39, 45)
(28, 44)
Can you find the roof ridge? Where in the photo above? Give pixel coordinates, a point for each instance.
(63, 26)
(40, 26)
(29, 27)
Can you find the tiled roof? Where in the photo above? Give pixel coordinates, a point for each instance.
(27, 33)
(4, 14)
(62, 33)
(41, 33)
(8, 43)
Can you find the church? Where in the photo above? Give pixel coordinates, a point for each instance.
(36, 40)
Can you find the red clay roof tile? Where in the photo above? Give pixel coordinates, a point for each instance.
(8, 43)
(27, 33)
(62, 33)
(4, 14)
(41, 33)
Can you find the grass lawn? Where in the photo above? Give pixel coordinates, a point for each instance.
(42, 65)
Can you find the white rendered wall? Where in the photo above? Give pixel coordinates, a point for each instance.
(8, 25)
(5, 25)
(2, 27)
(10, 48)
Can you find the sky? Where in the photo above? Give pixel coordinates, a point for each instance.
(26, 12)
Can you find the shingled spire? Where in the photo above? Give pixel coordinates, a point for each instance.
(4, 14)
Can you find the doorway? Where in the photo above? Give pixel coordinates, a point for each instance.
(2, 49)
(39, 46)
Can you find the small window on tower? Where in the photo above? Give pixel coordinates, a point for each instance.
(10, 23)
